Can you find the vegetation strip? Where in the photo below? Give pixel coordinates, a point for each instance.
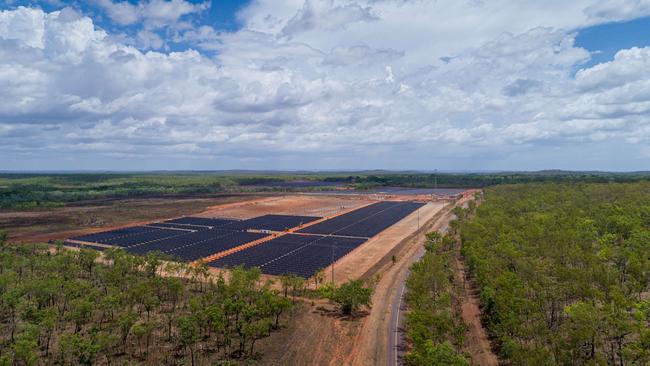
(434, 326)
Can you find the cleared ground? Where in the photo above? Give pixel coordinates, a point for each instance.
(302, 205)
(101, 215)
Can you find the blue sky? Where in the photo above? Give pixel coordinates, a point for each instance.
(604, 40)
(222, 14)
(340, 84)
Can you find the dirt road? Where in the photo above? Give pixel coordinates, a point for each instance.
(373, 341)
(477, 342)
(396, 337)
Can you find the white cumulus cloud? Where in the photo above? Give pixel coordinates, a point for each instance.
(329, 84)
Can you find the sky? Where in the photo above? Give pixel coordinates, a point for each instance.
(325, 85)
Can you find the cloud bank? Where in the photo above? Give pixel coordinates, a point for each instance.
(331, 84)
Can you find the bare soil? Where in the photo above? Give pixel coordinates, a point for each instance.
(303, 205)
(61, 223)
(477, 343)
(316, 335)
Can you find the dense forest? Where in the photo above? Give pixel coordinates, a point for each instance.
(23, 191)
(64, 307)
(564, 272)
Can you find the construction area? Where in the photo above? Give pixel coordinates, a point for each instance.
(291, 234)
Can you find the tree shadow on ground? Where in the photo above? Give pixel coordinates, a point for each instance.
(336, 313)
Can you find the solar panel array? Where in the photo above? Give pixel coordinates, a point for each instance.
(193, 238)
(365, 222)
(202, 221)
(103, 236)
(166, 245)
(187, 245)
(130, 236)
(220, 242)
(302, 255)
(273, 222)
(166, 225)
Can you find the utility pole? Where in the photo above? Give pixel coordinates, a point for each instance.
(332, 264)
(435, 178)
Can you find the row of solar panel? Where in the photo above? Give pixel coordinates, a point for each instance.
(365, 222)
(165, 225)
(201, 244)
(106, 235)
(173, 228)
(266, 222)
(190, 246)
(274, 222)
(303, 255)
(202, 221)
(141, 234)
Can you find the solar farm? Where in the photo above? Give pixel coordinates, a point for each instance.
(277, 244)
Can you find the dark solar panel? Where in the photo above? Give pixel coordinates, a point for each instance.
(202, 221)
(273, 222)
(365, 222)
(146, 237)
(193, 238)
(169, 244)
(204, 249)
(302, 255)
(164, 225)
(104, 236)
(197, 245)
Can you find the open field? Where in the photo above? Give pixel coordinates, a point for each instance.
(304, 205)
(98, 215)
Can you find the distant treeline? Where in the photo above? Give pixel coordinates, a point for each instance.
(37, 191)
(33, 191)
(480, 180)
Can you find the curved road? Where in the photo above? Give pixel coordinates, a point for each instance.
(396, 337)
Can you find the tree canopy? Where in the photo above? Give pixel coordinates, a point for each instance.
(63, 305)
(564, 272)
